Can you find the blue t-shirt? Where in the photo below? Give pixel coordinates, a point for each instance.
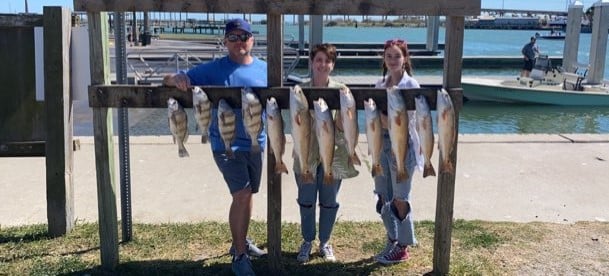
(225, 72)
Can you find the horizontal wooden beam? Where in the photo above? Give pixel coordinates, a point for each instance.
(21, 20)
(138, 96)
(314, 7)
(29, 148)
(22, 149)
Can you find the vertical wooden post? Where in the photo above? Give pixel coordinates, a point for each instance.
(453, 54)
(104, 145)
(58, 109)
(274, 36)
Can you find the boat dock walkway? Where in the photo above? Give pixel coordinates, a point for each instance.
(168, 56)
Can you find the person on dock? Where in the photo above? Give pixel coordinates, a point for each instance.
(242, 173)
(323, 58)
(530, 51)
(393, 197)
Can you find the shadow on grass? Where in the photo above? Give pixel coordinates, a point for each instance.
(215, 266)
(26, 234)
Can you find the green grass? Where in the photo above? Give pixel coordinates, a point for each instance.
(202, 249)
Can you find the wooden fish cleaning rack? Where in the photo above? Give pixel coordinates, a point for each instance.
(103, 96)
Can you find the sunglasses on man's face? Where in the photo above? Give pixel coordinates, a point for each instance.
(236, 37)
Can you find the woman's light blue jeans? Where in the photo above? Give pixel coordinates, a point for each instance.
(387, 188)
(308, 194)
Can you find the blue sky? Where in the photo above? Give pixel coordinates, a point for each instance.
(35, 6)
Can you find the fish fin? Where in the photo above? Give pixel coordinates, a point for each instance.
(355, 159)
(428, 170)
(377, 170)
(372, 127)
(325, 127)
(183, 152)
(398, 121)
(328, 178)
(204, 138)
(350, 113)
(280, 167)
(297, 120)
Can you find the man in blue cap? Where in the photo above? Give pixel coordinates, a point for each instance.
(242, 173)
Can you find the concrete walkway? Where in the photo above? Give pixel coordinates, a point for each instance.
(551, 178)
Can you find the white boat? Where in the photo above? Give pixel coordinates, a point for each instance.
(522, 91)
(547, 85)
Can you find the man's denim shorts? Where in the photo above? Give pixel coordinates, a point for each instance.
(244, 170)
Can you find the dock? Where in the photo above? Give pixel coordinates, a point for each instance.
(162, 57)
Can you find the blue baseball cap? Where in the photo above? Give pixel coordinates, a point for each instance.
(237, 24)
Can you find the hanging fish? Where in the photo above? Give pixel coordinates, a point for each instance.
(446, 130)
(374, 135)
(202, 110)
(252, 116)
(324, 130)
(425, 131)
(226, 125)
(178, 125)
(398, 130)
(276, 136)
(301, 131)
(348, 113)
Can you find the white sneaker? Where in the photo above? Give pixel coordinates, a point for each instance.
(327, 253)
(305, 251)
(388, 247)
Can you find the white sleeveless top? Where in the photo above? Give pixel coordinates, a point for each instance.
(409, 82)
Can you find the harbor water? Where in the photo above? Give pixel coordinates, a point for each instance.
(475, 117)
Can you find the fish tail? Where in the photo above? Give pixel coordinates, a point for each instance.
(182, 152)
(377, 170)
(307, 177)
(355, 159)
(429, 170)
(328, 178)
(402, 175)
(280, 167)
(447, 167)
(204, 139)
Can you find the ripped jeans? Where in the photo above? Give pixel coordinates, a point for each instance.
(308, 194)
(387, 188)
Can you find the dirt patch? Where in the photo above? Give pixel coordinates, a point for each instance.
(558, 249)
